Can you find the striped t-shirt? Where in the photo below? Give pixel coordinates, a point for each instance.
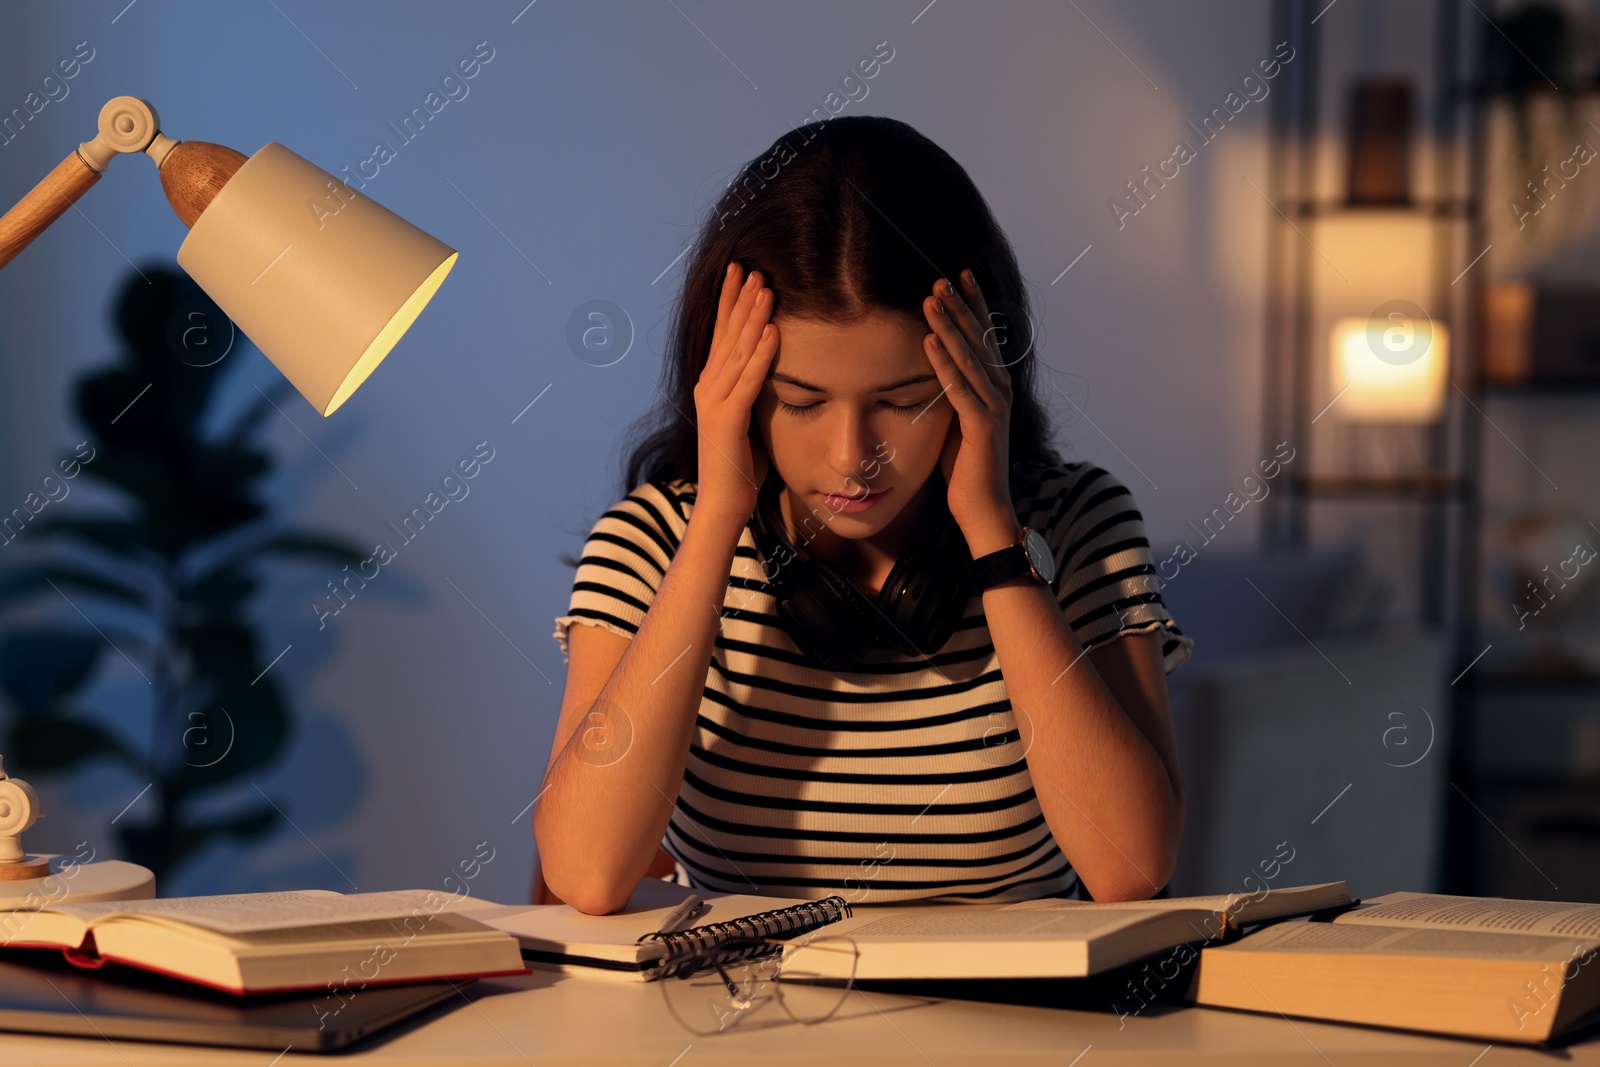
(882, 783)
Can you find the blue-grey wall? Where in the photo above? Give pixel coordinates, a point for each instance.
(576, 168)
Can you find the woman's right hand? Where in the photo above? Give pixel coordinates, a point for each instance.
(733, 464)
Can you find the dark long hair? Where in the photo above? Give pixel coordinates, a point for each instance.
(843, 218)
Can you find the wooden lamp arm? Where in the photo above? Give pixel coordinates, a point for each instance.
(43, 205)
(197, 172)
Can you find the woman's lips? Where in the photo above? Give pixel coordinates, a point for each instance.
(846, 505)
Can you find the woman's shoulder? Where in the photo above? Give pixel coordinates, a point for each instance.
(676, 493)
(1060, 490)
(659, 506)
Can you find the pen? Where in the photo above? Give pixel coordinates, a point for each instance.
(684, 913)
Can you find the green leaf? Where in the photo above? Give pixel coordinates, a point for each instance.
(55, 744)
(164, 845)
(39, 668)
(221, 649)
(240, 731)
(221, 590)
(313, 546)
(120, 537)
(250, 419)
(286, 543)
(32, 581)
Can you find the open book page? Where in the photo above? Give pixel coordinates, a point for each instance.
(1244, 907)
(247, 912)
(1480, 913)
(972, 943)
(957, 922)
(1402, 941)
(440, 927)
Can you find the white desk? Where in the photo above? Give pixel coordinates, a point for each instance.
(547, 1018)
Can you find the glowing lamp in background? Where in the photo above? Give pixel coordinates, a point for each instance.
(1392, 366)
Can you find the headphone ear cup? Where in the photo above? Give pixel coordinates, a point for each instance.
(826, 616)
(924, 598)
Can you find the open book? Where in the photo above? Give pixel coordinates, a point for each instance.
(1052, 937)
(272, 942)
(1046, 938)
(1487, 967)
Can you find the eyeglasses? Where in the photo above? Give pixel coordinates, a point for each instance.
(807, 976)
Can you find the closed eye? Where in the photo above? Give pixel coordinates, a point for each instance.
(809, 410)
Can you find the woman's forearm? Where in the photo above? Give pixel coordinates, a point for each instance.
(598, 823)
(1107, 792)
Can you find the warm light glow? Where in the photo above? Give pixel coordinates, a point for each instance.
(390, 335)
(1393, 369)
(324, 293)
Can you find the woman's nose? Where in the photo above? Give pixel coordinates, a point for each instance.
(853, 446)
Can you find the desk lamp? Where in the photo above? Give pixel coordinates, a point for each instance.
(27, 881)
(321, 278)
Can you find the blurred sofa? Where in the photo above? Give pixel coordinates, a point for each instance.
(1314, 735)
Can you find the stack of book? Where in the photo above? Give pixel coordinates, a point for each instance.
(1489, 967)
(1502, 970)
(254, 943)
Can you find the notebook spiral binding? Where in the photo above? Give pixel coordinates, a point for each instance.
(687, 949)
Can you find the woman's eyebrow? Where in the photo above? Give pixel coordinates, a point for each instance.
(915, 379)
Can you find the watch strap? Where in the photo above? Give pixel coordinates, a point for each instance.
(1001, 565)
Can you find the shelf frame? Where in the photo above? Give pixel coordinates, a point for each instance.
(1447, 488)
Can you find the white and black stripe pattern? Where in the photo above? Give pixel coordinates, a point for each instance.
(871, 783)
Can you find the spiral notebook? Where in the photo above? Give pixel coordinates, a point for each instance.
(629, 945)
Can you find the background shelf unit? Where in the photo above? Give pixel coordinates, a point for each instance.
(1442, 490)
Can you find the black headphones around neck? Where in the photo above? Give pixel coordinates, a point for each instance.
(833, 622)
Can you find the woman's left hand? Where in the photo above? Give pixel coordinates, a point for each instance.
(976, 458)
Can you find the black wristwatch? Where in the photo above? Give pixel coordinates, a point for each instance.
(1029, 556)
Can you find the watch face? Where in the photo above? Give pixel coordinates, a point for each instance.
(1040, 556)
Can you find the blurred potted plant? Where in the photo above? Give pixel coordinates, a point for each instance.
(165, 580)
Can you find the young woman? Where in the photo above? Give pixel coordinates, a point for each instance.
(857, 628)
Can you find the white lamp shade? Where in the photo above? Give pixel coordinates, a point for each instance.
(320, 277)
(1389, 370)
